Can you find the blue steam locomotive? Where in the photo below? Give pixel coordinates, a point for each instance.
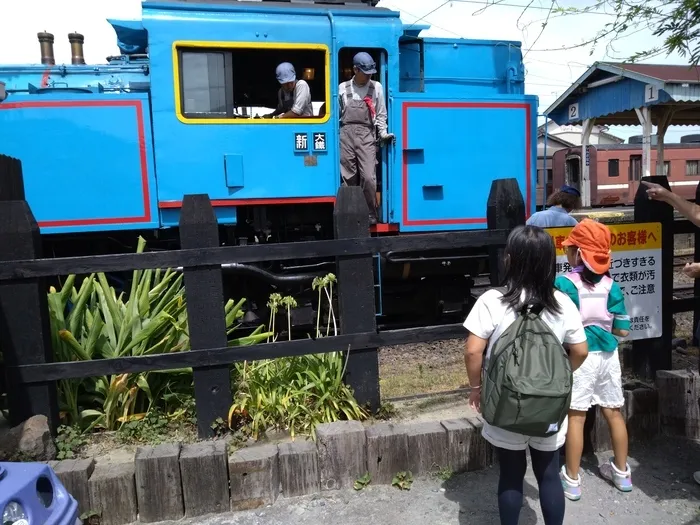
(109, 150)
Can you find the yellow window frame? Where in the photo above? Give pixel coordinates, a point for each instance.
(190, 44)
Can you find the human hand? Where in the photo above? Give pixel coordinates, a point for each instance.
(656, 191)
(475, 399)
(692, 270)
(389, 137)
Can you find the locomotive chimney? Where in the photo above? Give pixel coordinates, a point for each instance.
(46, 44)
(76, 48)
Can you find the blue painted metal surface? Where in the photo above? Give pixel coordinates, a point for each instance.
(87, 159)
(115, 153)
(33, 489)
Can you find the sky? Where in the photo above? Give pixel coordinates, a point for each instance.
(552, 65)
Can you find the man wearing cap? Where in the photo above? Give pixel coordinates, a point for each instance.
(294, 97)
(362, 108)
(561, 203)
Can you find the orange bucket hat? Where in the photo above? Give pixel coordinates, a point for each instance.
(593, 241)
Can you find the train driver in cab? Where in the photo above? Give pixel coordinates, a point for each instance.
(362, 108)
(294, 96)
(561, 204)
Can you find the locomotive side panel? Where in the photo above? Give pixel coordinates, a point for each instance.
(452, 130)
(87, 159)
(445, 177)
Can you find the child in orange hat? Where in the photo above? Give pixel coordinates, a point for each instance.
(598, 381)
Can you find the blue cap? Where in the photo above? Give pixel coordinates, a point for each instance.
(285, 73)
(570, 190)
(365, 63)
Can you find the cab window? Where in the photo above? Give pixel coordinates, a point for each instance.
(238, 83)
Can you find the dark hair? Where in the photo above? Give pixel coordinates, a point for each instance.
(589, 277)
(565, 200)
(530, 260)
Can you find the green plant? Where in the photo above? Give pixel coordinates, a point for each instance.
(386, 411)
(93, 322)
(442, 473)
(150, 429)
(69, 441)
(403, 481)
(91, 517)
(294, 394)
(361, 483)
(219, 427)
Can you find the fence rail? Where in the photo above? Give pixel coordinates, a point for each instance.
(26, 344)
(24, 325)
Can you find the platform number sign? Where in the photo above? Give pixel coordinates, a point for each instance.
(573, 111)
(301, 142)
(319, 142)
(651, 93)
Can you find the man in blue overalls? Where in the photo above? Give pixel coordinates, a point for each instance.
(362, 108)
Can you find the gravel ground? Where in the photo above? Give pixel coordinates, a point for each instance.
(664, 494)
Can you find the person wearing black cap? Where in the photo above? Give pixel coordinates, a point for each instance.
(362, 109)
(561, 203)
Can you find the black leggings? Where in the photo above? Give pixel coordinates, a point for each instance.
(510, 485)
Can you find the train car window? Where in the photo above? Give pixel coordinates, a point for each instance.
(572, 170)
(613, 168)
(667, 167)
(691, 168)
(229, 82)
(635, 172)
(203, 84)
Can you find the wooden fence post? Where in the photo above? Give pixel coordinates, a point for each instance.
(356, 295)
(696, 284)
(25, 337)
(505, 209)
(206, 320)
(651, 355)
(11, 180)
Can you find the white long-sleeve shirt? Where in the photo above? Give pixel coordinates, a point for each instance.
(359, 93)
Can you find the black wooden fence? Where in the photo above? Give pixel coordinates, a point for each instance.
(25, 341)
(24, 324)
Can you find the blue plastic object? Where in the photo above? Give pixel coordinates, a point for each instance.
(31, 493)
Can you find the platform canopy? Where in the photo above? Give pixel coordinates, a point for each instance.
(622, 94)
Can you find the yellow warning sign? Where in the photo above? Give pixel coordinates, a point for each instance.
(623, 237)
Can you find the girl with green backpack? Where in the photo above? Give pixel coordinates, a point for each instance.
(529, 287)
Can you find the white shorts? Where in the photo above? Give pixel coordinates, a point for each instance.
(501, 438)
(598, 381)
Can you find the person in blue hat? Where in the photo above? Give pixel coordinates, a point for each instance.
(363, 118)
(561, 203)
(294, 96)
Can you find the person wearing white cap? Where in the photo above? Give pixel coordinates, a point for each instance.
(362, 109)
(294, 97)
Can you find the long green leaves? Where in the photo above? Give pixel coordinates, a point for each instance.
(298, 393)
(92, 322)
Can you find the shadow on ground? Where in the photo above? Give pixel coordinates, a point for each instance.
(664, 490)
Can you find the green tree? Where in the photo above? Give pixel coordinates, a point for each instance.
(675, 22)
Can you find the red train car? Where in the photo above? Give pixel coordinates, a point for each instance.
(616, 169)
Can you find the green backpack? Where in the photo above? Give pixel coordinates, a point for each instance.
(526, 385)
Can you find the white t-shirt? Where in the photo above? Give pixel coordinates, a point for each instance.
(488, 319)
